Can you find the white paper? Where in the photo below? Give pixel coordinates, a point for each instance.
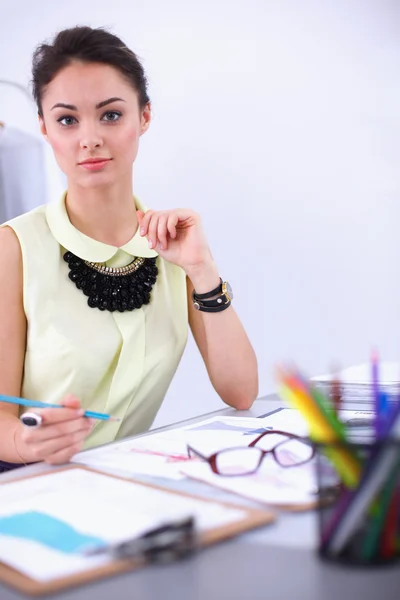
(163, 454)
(291, 420)
(357, 386)
(389, 373)
(271, 484)
(94, 505)
(132, 458)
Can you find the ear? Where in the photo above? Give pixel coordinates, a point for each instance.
(42, 127)
(145, 119)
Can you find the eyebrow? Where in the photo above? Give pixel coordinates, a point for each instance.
(99, 105)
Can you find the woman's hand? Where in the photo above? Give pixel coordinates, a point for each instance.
(177, 235)
(59, 437)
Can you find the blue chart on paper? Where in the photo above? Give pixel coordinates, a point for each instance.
(47, 531)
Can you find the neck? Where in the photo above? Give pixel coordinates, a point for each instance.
(106, 214)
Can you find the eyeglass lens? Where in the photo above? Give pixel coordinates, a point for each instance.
(288, 452)
(238, 461)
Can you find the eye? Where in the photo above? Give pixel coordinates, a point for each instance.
(67, 121)
(111, 116)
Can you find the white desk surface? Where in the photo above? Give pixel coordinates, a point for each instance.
(277, 562)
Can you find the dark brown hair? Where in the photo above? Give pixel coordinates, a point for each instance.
(90, 46)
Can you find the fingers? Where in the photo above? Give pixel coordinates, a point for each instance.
(59, 444)
(152, 228)
(43, 443)
(162, 231)
(157, 226)
(172, 223)
(58, 415)
(71, 401)
(54, 430)
(61, 434)
(144, 221)
(72, 410)
(65, 454)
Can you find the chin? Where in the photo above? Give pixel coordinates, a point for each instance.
(95, 180)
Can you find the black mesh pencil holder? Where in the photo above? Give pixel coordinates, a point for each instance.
(359, 519)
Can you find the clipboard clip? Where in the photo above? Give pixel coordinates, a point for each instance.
(166, 543)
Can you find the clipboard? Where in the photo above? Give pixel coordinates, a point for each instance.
(9, 576)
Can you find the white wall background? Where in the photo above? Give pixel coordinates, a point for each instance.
(279, 121)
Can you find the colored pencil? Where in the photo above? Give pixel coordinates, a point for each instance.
(36, 404)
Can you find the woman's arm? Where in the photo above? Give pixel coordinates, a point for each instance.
(12, 340)
(64, 430)
(224, 346)
(178, 237)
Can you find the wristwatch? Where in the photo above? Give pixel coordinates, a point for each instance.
(227, 291)
(216, 304)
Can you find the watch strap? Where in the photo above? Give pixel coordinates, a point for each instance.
(215, 302)
(206, 295)
(212, 309)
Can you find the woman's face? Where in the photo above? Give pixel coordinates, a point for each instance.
(92, 119)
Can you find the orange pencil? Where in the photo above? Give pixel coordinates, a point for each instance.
(322, 430)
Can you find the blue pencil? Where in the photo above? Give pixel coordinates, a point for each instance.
(36, 404)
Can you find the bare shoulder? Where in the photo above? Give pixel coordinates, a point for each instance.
(12, 316)
(9, 244)
(10, 262)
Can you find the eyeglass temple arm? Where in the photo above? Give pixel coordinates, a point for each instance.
(288, 434)
(191, 450)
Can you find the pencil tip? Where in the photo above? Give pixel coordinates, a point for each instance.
(114, 419)
(374, 355)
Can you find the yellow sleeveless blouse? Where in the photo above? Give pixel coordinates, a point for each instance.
(118, 363)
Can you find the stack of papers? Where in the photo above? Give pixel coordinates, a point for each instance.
(356, 383)
(272, 485)
(164, 454)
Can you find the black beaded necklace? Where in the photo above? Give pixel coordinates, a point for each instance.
(110, 288)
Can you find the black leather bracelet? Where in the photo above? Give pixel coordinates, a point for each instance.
(222, 299)
(211, 309)
(206, 295)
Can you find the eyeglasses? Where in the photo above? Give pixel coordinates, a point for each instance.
(287, 449)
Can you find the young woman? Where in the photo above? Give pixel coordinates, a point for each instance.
(96, 291)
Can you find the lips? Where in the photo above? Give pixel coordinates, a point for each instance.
(91, 161)
(95, 164)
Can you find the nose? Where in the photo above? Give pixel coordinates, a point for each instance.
(90, 139)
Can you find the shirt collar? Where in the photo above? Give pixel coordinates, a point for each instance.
(85, 247)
